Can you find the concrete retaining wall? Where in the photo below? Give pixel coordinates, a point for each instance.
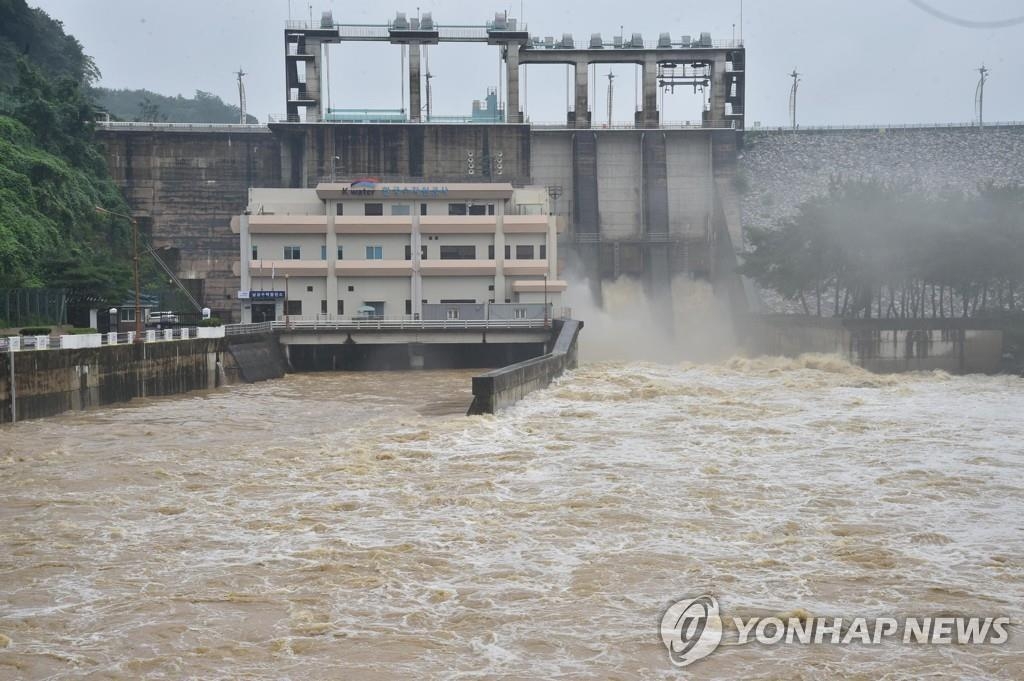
(885, 345)
(506, 386)
(254, 358)
(49, 382)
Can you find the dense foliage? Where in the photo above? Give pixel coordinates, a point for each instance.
(31, 34)
(52, 174)
(143, 105)
(867, 249)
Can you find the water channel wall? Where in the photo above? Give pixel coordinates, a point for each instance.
(887, 345)
(50, 382)
(503, 387)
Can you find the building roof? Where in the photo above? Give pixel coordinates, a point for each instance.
(367, 189)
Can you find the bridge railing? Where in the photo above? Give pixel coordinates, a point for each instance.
(386, 325)
(182, 127)
(882, 126)
(96, 340)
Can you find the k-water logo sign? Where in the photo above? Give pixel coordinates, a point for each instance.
(693, 629)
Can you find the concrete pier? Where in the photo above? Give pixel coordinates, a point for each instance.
(506, 386)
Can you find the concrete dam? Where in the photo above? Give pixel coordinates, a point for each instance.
(651, 201)
(184, 183)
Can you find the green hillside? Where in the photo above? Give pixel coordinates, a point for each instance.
(143, 105)
(52, 172)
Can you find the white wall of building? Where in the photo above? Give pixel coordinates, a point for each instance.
(393, 291)
(354, 245)
(271, 246)
(437, 289)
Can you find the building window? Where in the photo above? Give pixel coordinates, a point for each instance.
(127, 314)
(351, 288)
(408, 307)
(508, 252)
(520, 313)
(293, 307)
(423, 209)
(453, 313)
(490, 252)
(524, 252)
(423, 252)
(341, 252)
(373, 209)
(543, 252)
(458, 252)
(323, 307)
(408, 252)
(401, 209)
(374, 252)
(323, 252)
(456, 209)
(255, 252)
(478, 209)
(340, 210)
(341, 307)
(292, 253)
(491, 288)
(309, 289)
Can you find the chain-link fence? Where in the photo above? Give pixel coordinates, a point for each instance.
(33, 306)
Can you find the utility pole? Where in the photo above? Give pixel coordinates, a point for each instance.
(979, 95)
(792, 98)
(14, 391)
(135, 268)
(242, 118)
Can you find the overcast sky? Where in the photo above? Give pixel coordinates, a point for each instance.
(862, 61)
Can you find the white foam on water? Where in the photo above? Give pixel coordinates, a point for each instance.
(302, 531)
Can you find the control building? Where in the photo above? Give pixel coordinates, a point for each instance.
(370, 250)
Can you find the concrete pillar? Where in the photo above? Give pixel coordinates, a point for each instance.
(582, 119)
(331, 289)
(313, 71)
(719, 92)
(512, 112)
(416, 285)
(649, 97)
(414, 83)
(500, 292)
(552, 243)
(244, 256)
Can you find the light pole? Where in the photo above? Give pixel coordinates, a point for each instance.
(135, 267)
(792, 97)
(979, 95)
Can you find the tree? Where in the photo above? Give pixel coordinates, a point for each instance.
(893, 251)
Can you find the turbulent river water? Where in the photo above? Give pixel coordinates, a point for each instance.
(357, 526)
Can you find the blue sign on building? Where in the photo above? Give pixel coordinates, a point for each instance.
(265, 295)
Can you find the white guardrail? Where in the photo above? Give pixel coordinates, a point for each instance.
(96, 340)
(307, 325)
